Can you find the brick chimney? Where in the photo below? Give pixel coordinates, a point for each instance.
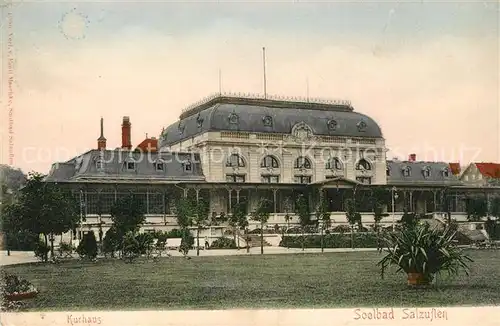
(412, 158)
(126, 133)
(101, 141)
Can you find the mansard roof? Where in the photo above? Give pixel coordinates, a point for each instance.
(270, 115)
(112, 165)
(418, 175)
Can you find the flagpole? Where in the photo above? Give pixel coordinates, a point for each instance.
(307, 85)
(264, 63)
(220, 82)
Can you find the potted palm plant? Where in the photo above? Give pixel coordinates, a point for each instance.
(422, 252)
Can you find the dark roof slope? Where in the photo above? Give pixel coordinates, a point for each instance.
(254, 115)
(114, 167)
(417, 176)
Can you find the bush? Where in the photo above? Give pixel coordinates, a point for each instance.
(65, 249)
(21, 241)
(145, 241)
(131, 247)
(175, 233)
(223, 243)
(41, 250)
(111, 242)
(341, 229)
(87, 248)
(187, 242)
(331, 241)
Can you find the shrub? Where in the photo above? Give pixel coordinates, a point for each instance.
(175, 233)
(341, 229)
(87, 248)
(479, 226)
(65, 249)
(145, 241)
(111, 242)
(22, 240)
(423, 250)
(131, 247)
(41, 250)
(187, 242)
(361, 240)
(223, 243)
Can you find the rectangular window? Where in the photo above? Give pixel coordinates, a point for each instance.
(365, 180)
(270, 179)
(235, 178)
(155, 202)
(187, 166)
(302, 179)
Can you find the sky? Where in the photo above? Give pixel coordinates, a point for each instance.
(427, 72)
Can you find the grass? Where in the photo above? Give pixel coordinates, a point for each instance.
(271, 281)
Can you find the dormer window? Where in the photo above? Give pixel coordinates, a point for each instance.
(268, 121)
(188, 166)
(426, 171)
(99, 164)
(446, 172)
(159, 166)
(131, 165)
(406, 171)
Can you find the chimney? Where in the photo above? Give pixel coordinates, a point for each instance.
(412, 158)
(101, 141)
(126, 133)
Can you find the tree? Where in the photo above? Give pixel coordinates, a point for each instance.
(127, 215)
(352, 216)
(324, 216)
(46, 208)
(261, 214)
(476, 208)
(302, 211)
(201, 210)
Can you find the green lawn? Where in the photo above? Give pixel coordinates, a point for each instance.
(269, 281)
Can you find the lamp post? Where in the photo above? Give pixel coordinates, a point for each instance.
(394, 198)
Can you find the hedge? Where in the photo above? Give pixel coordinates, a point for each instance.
(361, 240)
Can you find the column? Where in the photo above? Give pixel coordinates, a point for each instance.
(274, 197)
(434, 200)
(147, 200)
(197, 194)
(412, 208)
(238, 195)
(230, 192)
(164, 208)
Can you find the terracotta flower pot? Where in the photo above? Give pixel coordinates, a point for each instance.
(416, 279)
(20, 296)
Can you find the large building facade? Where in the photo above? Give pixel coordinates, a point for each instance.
(233, 148)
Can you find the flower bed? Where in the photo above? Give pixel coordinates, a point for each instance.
(14, 288)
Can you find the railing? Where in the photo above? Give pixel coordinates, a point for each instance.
(268, 97)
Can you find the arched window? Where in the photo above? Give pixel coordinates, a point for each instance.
(426, 171)
(159, 165)
(363, 165)
(99, 164)
(235, 160)
(302, 162)
(333, 164)
(446, 172)
(406, 171)
(269, 162)
(188, 166)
